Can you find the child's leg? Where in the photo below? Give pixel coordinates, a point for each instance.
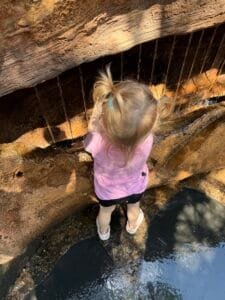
(104, 217)
(133, 210)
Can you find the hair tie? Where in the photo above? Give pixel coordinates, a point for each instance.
(110, 102)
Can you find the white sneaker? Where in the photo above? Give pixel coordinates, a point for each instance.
(102, 236)
(140, 219)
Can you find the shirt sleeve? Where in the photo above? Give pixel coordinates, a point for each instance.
(147, 145)
(92, 143)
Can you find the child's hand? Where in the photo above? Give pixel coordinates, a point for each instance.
(95, 120)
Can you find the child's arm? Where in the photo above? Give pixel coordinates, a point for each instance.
(94, 123)
(93, 139)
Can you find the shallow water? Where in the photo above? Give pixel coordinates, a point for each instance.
(183, 258)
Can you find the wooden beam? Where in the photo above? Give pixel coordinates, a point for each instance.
(39, 40)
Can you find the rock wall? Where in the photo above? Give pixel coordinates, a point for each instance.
(39, 187)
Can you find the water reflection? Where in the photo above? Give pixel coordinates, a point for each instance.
(183, 258)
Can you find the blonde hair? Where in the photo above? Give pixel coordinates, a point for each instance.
(129, 111)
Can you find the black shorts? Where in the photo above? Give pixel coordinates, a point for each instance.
(127, 200)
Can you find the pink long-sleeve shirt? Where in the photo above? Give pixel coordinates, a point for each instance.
(113, 178)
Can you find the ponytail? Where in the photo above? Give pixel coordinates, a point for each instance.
(104, 86)
(106, 92)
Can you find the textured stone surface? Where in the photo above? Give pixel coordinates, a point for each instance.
(40, 187)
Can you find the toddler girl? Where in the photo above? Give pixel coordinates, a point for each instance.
(120, 140)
